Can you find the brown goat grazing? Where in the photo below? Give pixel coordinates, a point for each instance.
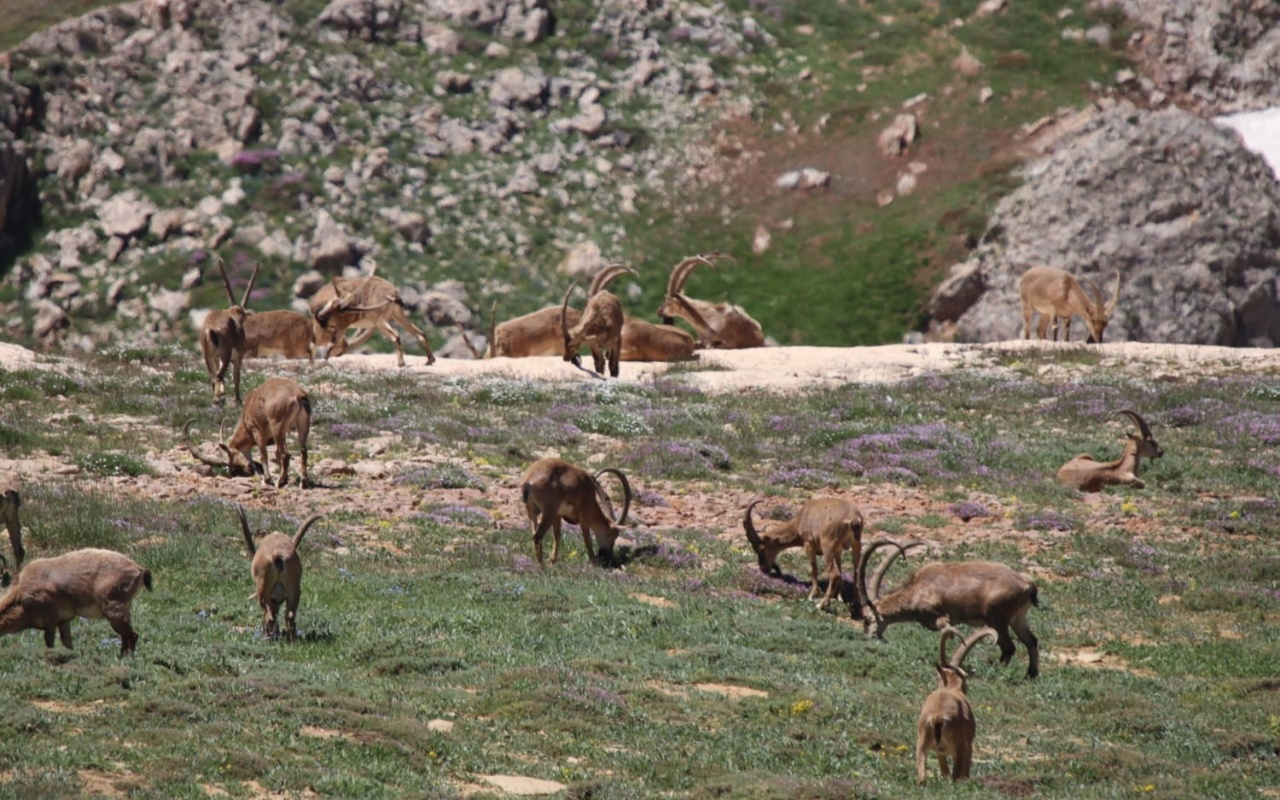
(718, 325)
(555, 490)
(270, 412)
(1089, 475)
(277, 575)
(370, 303)
(10, 502)
(946, 726)
(600, 326)
(222, 337)
(824, 525)
(279, 333)
(1051, 292)
(937, 595)
(90, 583)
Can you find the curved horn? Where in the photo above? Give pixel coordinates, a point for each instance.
(680, 274)
(1115, 296)
(604, 276)
(957, 658)
(302, 529)
(466, 340)
(244, 301)
(626, 491)
(493, 329)
(752, 536)
(878, 576)
(860, 572)
(244, 526)
(564, 316)
(1137, 420)
(226, 282)
(694, 318)
(186, 429)
(948, 632)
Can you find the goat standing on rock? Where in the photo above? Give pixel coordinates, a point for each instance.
(555, 490)
(946, 725)
(826, 525)
(1089, 475)
(89, 583)
(938, 595)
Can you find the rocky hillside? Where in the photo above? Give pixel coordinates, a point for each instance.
(485, 150)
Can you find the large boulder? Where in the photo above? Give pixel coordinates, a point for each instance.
(1175, 204)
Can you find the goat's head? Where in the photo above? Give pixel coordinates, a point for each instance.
(671, 308)
(236, 462)
(1147, 446)
(1099, 311)
(873, 623)
(951, 672)
(765, 555)
(239, 308)
(607, 535)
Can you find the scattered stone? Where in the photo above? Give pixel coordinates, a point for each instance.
(898, 136)
(50, 318)
(125, 215)
(761, 240)
(966, 64)
(331, 247)
(807, 178)
(985, 95)
(583, 260)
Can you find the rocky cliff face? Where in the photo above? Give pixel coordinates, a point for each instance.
(1187, 217)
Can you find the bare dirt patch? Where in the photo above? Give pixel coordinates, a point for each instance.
(1091, 657)
(648, 599)
(522, 786)
(75, 709)
(730, 691)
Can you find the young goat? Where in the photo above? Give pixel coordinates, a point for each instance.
(718, 325)
(600, 327)
(946, 725)
(826, 525)
(1089, 475)
(10, 502)
(555, 490)
(270, 412)
(937, 595)
(277, 575)
(370, 303)
(222, 337)
(1054, 293)
(279, 333)
(90, 583)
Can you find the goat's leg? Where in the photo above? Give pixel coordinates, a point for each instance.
(597, 358)
(555, 540)
(271, 619)
(942, 762)
(1042, 326)
(282, 456)
(586, 540)
(390, 332)
(1026, 320)
(539, 531)
(417, 333)
(922, 757)
(64, 633)
(813, 571)
(1006, 644)
(266, 463)
(963, 760)
(1023, 630)
(834, 579)
(49, 634)
(615, 353)
(236, 357)
(305, 478)
(1066, 330)
(291, 617)
(121, 625)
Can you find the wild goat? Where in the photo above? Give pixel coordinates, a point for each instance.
(271, 411)
(370, 303)
(534, 334)
(966, 592)
(718, 325)
(279, 333)
(946, 725)
(90, 583)
(644, 341)
(826, 525)
(1051, 292)
(277, 575)
(555, 490)
(222, 337)
(10, 502)
(1088, 475)
(600, 327)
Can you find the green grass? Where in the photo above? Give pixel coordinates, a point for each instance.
(572, 673)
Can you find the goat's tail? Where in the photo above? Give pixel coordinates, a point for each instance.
(146, 579)
(1035, 596)
(524, 492)
(937, 730)
(278, 561)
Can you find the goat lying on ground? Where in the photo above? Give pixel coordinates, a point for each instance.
(1054, 293)
(600, 326)
(277, 575)
(1089, 475)
(718, 325)
(90, 583)
(555, 490)
(826, 525)
(946, 725)
(370, 303)
(645, 341)
(937, 595)
(10, 502)
(279, 333)
(222, 337)
(270, 412)
(534, 334)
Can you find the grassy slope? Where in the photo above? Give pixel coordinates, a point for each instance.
(567, 674)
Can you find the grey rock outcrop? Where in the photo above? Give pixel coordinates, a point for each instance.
(1189, 218)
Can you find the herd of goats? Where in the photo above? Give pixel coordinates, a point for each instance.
(93, 583)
